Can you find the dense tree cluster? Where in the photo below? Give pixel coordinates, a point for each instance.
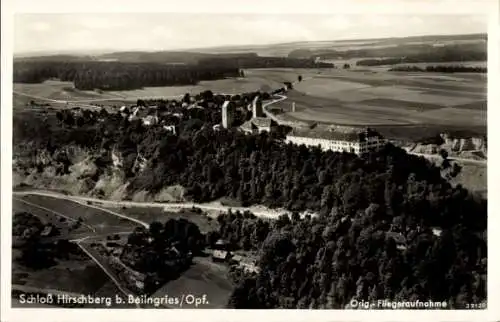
(264, 62)
(39, 251)
(163, 251)
(440, 69)
(326, 262)
(118, 76)
(241, 231)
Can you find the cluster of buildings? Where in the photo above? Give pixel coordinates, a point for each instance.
(221, 254)
(258, 123)
(334, 138)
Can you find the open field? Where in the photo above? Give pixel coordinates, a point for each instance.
(203, 278)
(58, 90)
(151, 214)
(384, 98)
(233, 85)
(102, 221)
(58, 93)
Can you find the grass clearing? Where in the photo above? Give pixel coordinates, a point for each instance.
(58, 90)
(203, 278)
(229, 86)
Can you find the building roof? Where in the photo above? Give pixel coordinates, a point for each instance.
(247, 126)
(237, 258)
(220, 242)
(261, 122)
(338, 134)
(222, 254)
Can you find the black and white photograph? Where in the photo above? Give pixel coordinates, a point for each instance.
(310, 161)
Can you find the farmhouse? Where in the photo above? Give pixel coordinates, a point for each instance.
(338, 139)
(247, 264)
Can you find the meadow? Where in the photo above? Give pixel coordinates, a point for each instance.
(204, 277)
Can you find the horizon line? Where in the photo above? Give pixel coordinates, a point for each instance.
(194, 49)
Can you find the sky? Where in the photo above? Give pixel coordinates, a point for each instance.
(175, 31)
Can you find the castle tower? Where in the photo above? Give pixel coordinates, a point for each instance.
(257, 107)
(227, 115)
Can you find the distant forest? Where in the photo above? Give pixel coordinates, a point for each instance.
(440, 69)
(117, 75)
(420, 53)
(263, 62)
(90, 75)
(470, 52)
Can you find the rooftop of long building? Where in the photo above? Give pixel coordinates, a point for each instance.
(337, 133)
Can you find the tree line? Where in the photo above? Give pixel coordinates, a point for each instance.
(249, 62)
(92, 75)
(118, 75)
(448, 53)
(413, 53)
(440, 69)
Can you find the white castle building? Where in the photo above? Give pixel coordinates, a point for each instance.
(338, 139)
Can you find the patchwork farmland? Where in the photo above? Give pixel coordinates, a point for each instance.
(384, 98)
